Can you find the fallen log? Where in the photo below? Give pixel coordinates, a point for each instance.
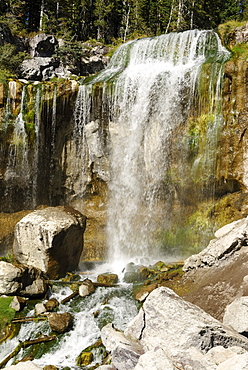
(27, 319)
(26, 344)
(69, 297)
(81, 282)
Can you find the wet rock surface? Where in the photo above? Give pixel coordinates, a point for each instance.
(60, 322)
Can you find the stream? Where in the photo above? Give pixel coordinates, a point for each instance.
(91, 313)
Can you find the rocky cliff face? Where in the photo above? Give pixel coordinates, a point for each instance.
(49, 157)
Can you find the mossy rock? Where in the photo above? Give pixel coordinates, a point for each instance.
(108, 279)
(85, 359)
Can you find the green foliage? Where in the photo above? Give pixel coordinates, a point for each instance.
(7, 258)
(10, 60)
(6, 313)
(240, 51)
(70, 52)
(108, 19)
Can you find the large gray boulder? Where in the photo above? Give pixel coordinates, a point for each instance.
(229, 239)
(21, 280)
(38, 68)
(172, 333)
(51, 240)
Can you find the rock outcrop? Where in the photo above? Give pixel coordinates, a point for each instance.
(51, 240)
(229, 239)
(172, 333)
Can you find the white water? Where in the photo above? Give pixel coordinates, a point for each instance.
(111, 304)
(153, 84)
(18, 166)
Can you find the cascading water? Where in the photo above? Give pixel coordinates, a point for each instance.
(145, 99)
(151, 88)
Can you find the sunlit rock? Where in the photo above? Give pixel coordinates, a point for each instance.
(86, 288)
(236, 315)
(51, 240)
(21, 280)
(26, 365)
(229, 239)
(239, 362)
(18, 303)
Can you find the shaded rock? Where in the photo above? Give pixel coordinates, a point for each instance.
(50, 367)
(60, 322)
(21, 280)
(239, 362)
(229, 239)
(42, 45)
(18, 303)
(107, 279)
(236, 315)
(86, 288)
(27, 365)
(51, 304)
(50, 239)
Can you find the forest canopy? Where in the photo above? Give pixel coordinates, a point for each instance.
(105, 20)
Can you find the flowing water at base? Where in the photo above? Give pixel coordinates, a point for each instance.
(112, 304)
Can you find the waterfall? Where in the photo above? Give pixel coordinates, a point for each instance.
(151, 87)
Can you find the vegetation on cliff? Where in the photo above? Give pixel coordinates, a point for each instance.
(84, 19)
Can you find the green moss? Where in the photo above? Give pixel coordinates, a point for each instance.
(225, 29)
(7, 258)
(6, 313)
(240, 51)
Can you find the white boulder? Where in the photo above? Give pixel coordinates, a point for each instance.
(51, 240)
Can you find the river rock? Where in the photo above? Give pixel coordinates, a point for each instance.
(51, 240)
(18, 303)
(26, 365)
(107, 279)
(39, 309)
(236, 315)
(51, 304)
(229, 239)
(60, 322)
(21, 280)
(86, 288)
